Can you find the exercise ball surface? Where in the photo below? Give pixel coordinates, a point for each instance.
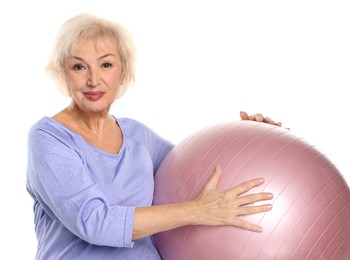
(310, 218)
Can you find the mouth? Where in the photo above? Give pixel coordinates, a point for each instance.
(94, 96)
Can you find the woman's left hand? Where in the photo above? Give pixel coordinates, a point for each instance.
(259, 118)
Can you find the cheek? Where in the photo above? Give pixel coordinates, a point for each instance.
(74, 83)
(115, 81)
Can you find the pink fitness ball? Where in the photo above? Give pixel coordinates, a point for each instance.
(310, 218)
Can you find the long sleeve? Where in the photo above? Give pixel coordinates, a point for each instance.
(69, 193)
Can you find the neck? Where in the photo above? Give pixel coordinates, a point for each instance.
(88, 121)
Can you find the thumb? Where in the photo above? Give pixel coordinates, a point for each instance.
(244, 115)
(214, 179)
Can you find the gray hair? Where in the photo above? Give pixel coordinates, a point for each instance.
(86, 26)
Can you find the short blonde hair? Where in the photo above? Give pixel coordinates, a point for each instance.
(87, 26)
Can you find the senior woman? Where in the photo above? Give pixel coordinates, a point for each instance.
(91, 174)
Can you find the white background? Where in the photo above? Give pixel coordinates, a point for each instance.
(199, 62)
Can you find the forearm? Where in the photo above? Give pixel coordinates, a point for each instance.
(151, 220)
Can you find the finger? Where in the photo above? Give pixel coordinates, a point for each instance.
(214, 179)
(249, 210)
(247, 185)
(244, 115)
(258, 117)
(269, 121)
(249, 226)
(251, 198)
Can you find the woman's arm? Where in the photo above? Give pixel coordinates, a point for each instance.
(211, 207)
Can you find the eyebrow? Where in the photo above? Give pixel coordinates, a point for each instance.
(99, 58)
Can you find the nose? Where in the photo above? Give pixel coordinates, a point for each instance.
(93, 79)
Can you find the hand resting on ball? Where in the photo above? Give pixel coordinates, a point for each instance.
(226, 207)
(259, 118)
(212, 207)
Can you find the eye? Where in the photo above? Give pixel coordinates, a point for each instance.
(107, 65)
(78, 67)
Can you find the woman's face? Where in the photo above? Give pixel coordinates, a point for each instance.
(94, 74)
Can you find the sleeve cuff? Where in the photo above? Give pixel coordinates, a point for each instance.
(129, 226)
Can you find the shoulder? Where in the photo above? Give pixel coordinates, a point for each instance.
(139, 131)
(134, 128)
(48, 129)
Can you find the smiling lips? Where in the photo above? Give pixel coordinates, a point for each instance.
(94, 96)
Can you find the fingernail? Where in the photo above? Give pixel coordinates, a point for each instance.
(259, 229)
(261, 180)
(270, 195)
(269, 206)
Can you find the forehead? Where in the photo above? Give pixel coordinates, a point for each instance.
(100, 45)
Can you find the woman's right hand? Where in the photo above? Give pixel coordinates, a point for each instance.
(228, 206)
